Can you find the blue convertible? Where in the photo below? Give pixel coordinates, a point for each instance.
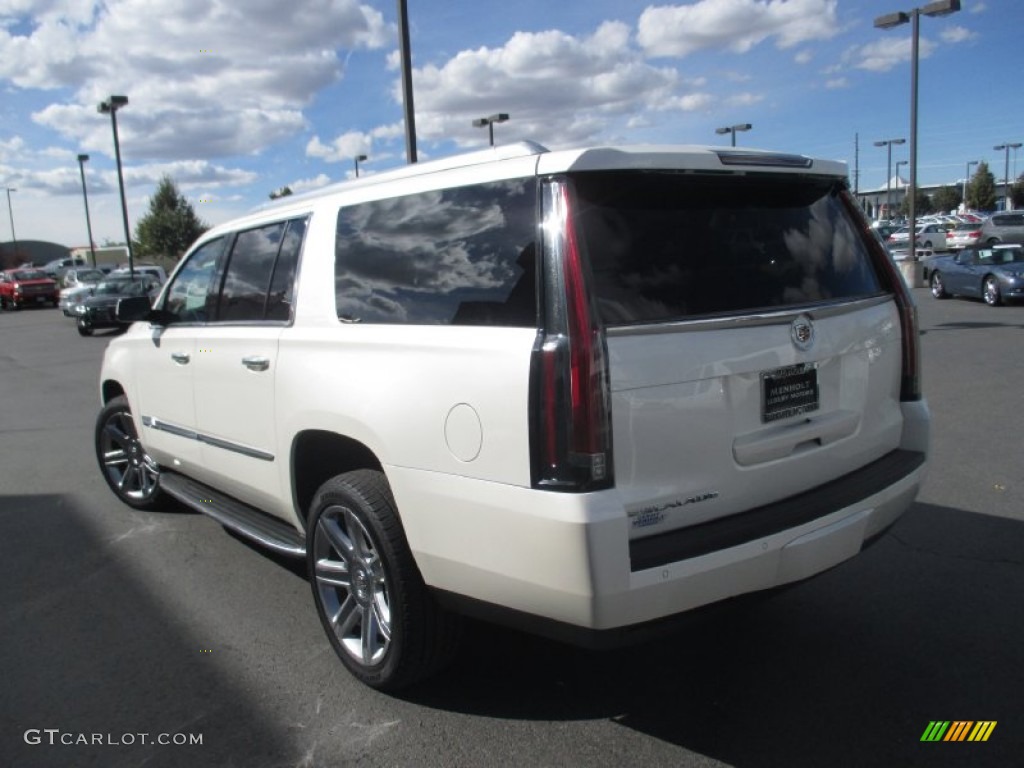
(994, 274)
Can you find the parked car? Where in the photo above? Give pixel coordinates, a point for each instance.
(54, 268)
(964, 236)
(79, 283)
(578, 391)
(98, 309)
(1003, 228)
(25, 287)
(143, 269)
(994, 274)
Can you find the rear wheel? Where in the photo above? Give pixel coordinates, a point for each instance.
(131, 474)
(990, 292)
(938, 289)
(384, 625)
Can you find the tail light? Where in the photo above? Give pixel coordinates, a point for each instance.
(571, 428)
(892, 280)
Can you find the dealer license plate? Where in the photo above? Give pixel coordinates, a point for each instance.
(789, 391)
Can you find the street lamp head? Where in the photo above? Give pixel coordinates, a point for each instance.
(500, 117)
(360, 158)
(890, 20)
(941, 8)
(112, 104)
(83, 158)
(481, 122)
(722, 131)
(743, 127)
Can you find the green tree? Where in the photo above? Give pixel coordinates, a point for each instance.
(922, 204)
(1017, 192)
(947, 199)
(981, 192)
(282, 192)
(169, 227)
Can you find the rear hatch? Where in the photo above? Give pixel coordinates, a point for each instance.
(753, 353)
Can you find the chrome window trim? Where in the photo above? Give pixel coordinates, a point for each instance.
(780, 317)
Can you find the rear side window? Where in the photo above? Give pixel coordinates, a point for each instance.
(462, 256)
(672, 246)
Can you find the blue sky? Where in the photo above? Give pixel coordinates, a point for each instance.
(234, 99)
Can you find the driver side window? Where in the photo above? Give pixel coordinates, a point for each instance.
(189, 296)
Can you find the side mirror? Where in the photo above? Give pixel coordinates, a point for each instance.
(133, 308)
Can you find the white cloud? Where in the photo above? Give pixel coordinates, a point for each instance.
(956, 34)
(882, 55)
(305, 185)
(734, 25)
(205, 77)
(836, 83)
(744, 99)
(558, 89)
(803, 57)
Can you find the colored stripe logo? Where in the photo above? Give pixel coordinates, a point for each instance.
(958, 730)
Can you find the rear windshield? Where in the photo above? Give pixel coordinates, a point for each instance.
(669, 246)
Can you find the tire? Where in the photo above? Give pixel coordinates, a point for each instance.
(938, 288)
(131, 474)
(84, 329)
(385, 626)
(990, 291)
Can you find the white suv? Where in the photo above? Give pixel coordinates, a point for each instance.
(577, 391)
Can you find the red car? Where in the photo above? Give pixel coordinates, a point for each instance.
(23, 287)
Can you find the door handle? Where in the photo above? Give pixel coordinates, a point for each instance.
(254, 363)
(181, 358)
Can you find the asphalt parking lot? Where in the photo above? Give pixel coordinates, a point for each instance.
(136, 626)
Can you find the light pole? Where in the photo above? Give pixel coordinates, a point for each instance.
(898, 164)
(489, 121)
(733, 129)
(888, 172)
(359, 159)
(408, 108)
(966, 179)
(110, 107)
(82, 160)
(1005, 148)
(10, 211)
(888, 21)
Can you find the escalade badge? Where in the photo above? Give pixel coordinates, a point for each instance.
(802, 333)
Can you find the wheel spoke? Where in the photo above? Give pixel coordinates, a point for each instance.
(360, 545)
(347, 617)
(336, 537)
(115, 458)
(333, 573)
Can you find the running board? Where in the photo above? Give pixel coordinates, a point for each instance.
(241, 518)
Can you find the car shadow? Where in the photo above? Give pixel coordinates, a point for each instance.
(848, 668)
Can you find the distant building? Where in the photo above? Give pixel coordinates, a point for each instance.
(37, 252)
(108, 254)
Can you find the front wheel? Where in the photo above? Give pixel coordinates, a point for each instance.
(990, 292)
(131, 474)
(84, 329)
(938, 289)
(384, 625)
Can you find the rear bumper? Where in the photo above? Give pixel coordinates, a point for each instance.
(566, 560)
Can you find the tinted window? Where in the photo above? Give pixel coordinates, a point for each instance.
(250, 268)
(187, 297)
(460, 256)
(665, 246)
(260, 274)
(279, 300)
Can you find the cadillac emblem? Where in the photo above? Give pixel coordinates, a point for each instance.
(802, 333)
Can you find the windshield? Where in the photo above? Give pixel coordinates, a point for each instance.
(88, 275)
(124, 287)
(998, 256)
(30, 274)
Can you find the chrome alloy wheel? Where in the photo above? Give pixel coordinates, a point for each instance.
(129, 470)
(353, 585)
(990, 292)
